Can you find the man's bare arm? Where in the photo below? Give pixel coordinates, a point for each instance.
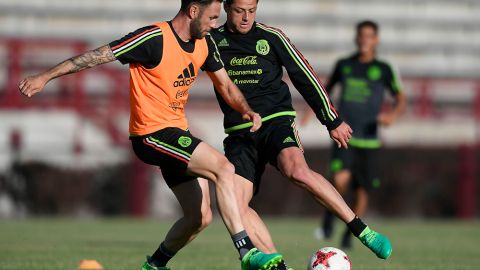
(387, 118)
(89, 59)
(234, 97)
(34, 84)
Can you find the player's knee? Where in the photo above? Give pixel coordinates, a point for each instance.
(207, 217)
(200, 220)
(226, 170)
(299, 175)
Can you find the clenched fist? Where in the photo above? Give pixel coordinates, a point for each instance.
(32, 85)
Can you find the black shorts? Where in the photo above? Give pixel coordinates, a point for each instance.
(170, 149)
(250, 152)
(361, 162)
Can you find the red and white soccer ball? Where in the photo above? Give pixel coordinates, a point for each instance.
(329, 258)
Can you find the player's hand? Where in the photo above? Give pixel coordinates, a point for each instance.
(32, 85)
(254, 118)
(341, 135)
(386, 119)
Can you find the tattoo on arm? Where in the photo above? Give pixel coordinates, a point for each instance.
(86, 60)
(92, 58)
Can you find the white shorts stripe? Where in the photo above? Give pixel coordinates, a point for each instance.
(167, 149)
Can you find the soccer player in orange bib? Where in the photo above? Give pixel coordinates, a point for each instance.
(164, 60)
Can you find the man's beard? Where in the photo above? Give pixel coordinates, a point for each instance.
(196, 30)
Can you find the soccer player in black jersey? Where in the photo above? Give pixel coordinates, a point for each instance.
(254, 55)
(363, 79)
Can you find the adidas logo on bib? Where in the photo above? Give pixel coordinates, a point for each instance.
(186, 78)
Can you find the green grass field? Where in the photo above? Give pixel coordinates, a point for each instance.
(122, 244)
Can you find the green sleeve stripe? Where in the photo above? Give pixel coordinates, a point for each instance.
(395, 83)
(326, 102)
(137, 44)
(216, 50)
(266, 118)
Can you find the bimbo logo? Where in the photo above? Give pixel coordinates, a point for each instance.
(249, 60)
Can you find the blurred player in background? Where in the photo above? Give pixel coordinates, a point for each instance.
(164, 60)
(363, 79)
(254, 55)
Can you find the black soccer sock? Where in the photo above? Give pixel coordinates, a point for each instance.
(327, 224)
(356, 226)
(242, 242)
(161, 256)
(347, 239)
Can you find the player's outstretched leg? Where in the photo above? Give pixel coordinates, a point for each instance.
(341, 180)
(293, 165)
(209, 163)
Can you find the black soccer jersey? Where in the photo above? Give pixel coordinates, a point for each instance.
(254, 62)
(144, 46)
(363, 86)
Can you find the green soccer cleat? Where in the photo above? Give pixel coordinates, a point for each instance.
(281, 266)
(257, 260)
(376, 242)
(147, 266)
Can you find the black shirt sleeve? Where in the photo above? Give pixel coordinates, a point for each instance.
(213, 62)
(334, 78)
(305, 80)
(143, 46)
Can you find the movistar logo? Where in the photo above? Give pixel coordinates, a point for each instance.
(246, 61)
(223, 43)
(186, 78)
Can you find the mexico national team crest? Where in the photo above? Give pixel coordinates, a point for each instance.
(185, 141)
(374, 73)
(263, 47)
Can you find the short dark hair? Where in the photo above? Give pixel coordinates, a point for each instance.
(229, 2)
(367, 23)
(187, 3)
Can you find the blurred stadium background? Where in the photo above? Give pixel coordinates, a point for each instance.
(66, 152)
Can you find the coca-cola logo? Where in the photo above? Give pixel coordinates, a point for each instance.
(246, 61)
